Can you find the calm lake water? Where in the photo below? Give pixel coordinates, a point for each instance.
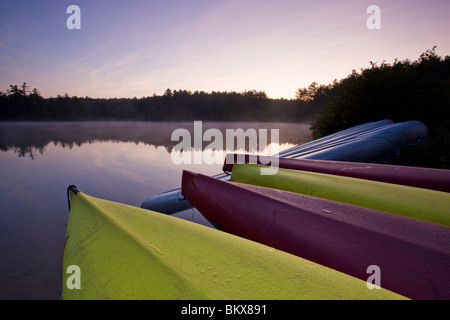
(125, 162)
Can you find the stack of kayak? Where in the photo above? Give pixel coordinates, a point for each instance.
(345, 223)
(394, 197)
(374, 142)
(314, 229)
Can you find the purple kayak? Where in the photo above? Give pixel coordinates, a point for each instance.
(413, 255)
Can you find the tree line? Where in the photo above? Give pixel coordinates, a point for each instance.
(174, 105)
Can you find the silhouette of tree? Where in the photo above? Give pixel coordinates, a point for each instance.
(400, 91)
(176, 105)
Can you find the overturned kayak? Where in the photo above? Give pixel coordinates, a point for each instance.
(377, 142)
(428, 178)
(413, 255)
(419, 203)
(125, 252)
(381, 145)
(336, 138)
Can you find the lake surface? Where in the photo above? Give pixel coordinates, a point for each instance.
(125, 162)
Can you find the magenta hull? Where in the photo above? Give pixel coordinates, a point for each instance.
(435, 179)
(413, 256)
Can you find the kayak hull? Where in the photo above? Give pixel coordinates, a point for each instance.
(413, 255)
(124, 252)
(379, 142)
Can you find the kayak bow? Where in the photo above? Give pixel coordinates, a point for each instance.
(125, 252)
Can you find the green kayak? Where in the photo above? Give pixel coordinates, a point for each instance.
(423, 204)
(125, 252)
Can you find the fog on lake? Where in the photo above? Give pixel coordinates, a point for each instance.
(125, 162)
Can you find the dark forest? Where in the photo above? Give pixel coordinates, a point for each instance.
(174, 105)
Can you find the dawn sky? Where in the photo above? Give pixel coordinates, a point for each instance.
(137, 48)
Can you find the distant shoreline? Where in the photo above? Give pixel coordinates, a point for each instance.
(177, 105)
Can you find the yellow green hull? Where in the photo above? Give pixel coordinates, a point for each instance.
(125, 252)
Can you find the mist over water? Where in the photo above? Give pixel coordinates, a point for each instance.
(125, 162)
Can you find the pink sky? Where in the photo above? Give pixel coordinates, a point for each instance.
(137, 48)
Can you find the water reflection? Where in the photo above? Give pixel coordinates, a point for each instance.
(31, 139)
(123, 162)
